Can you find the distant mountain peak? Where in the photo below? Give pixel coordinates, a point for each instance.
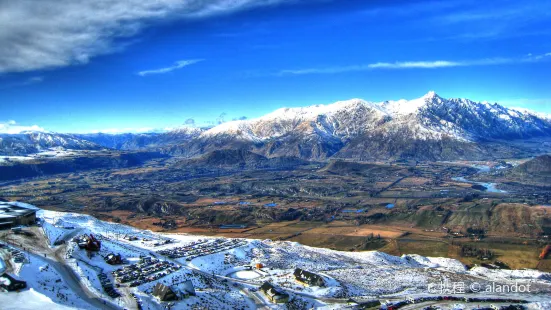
(433, 97)
(430, 95)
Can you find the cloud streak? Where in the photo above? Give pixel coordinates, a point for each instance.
(115, 131)
(413, 65)
(29, 81)
(178, 65)
(44, 34)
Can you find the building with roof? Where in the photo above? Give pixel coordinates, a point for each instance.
(12, 214)
(308, 278)
(274, 295)
(164, 293)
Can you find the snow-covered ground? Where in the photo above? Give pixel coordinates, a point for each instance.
(7, 159)
(222, 280)
(29, 300)
(53, 152)
(46, 287)
(54, 232)
(246, 274)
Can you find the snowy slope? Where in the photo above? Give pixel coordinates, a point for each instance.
(339, 119)
(29, 300)
(368, 274)
(531, 112)
(47, 288)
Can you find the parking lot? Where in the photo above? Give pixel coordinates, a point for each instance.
(108, 286)
(202, 248)
(147, 270)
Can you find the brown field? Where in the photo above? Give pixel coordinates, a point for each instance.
(545, 265)
(278, 227)
(413, 181)
(381, 184)
(137, 171)
(357, 231)
(516, 256)
(336, 242)
(423, 247)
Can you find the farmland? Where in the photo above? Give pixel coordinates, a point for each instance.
(399, 208)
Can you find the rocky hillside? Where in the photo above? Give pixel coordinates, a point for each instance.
(540, 165)
(240, 159)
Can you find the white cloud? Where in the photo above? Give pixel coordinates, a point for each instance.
(414, 65)
(533, 58)
(178, 65)
(54, 33)
(11, 127)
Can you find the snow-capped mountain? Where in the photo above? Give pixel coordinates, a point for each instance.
(429, 116)
(531, 112)
(340, 119)
(480, 121)
(36, 141)
(430, 127)
(426, 128)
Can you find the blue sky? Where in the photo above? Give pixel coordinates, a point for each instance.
(76, 66)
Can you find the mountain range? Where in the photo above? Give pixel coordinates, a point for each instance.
(36, 141)
(427, 128)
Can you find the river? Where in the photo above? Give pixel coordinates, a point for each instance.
(490, 187)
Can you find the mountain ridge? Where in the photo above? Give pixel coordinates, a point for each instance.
(427, 128)
(434, 115)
